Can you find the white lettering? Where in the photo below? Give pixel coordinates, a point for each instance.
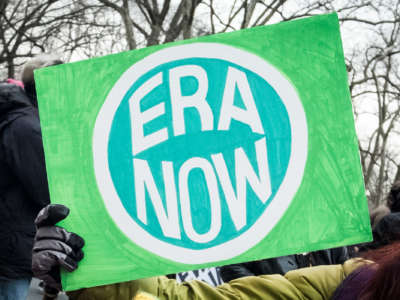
(249, 115)
(139, 118)
(144, 179)
(197, 100)
(243, 173)
(215, 205)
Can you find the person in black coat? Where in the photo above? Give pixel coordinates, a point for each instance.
(393, 200)
(23, 179)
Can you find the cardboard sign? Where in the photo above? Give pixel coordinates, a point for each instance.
(211, 276)
(221, 149)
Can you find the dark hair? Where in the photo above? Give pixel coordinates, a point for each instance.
(384, 284)
(393, 200)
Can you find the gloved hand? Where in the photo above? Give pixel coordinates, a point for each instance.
(54, 247)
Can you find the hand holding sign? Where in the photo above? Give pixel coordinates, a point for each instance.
(54, 246)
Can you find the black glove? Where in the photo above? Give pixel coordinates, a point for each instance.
(54, 247)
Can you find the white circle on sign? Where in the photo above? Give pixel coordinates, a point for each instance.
(279, 204)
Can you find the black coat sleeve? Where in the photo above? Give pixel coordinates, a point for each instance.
(332, 256)
(235, 271)
(22, 142)
(340, 255)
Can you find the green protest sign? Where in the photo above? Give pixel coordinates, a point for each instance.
(210, 151)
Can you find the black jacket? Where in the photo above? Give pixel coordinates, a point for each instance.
(281, 265)
(23, 180)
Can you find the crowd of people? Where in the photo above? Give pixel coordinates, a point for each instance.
(32, 245)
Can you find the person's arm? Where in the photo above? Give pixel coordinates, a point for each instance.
(320, 282)
(22, 142)
(317, 283)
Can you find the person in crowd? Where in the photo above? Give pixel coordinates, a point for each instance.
(23, 180)
(392, 205)
(384, 233)
(393, 200)
(282, 265)
(377, 214)
(375, 276)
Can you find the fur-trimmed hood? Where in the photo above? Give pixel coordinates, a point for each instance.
(13, 103)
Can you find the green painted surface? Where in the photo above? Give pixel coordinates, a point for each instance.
(328, 210)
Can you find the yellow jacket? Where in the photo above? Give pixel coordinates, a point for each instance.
(315, 283)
